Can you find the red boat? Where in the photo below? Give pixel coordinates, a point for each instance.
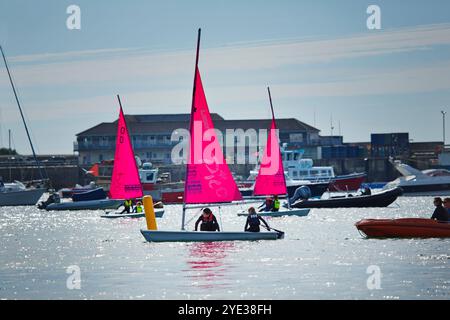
(404, 228)
(349, 182)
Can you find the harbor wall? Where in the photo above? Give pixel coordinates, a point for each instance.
(60, 176)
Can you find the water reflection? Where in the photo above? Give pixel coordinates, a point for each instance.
(207, 268)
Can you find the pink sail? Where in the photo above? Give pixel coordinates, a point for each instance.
(208, 178)
(270, 179)
(125, 182)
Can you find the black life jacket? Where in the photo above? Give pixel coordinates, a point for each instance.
(253, 220)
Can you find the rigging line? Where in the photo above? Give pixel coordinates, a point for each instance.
(21, 113)
(33, 138)
(193, 216)
(1, 129)
(220, 218)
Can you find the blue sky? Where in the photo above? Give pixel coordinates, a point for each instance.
(319, 58)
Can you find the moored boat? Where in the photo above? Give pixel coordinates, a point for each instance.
(16, 194)
(404, 228)
(420, 183)
(69, 192)
(85, 205)
(380, 199)
(94, 194)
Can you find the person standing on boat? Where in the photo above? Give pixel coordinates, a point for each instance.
(440, 213)
(127, 204)
(276, 204)
(208, 220)
(254, 221)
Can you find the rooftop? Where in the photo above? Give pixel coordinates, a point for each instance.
(166, 123)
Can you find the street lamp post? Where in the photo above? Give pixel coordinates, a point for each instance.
(443, 125)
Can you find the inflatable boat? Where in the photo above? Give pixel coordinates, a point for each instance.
(404, 228)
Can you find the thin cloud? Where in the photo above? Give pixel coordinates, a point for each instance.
(119, 65)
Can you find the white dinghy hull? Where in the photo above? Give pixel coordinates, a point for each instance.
(206, 236)
(281, 213)
(158, 213)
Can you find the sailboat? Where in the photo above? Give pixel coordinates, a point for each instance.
(125, 181)
(16, 193)
(271, 180)
(208, 178)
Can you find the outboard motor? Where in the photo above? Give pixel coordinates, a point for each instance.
(53, 198)
(301, 193)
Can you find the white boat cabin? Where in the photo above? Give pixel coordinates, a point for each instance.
(148, 174)
(304, 169)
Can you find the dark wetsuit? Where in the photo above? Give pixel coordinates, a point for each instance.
(253, 223)
(127, 204)
(266, 206)
(440, 214)
(208, 224)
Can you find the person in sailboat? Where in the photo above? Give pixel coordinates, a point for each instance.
(276, 204)
(254, 221)
(267, 205)
(138, 208)
(208, 220)
(127, 206)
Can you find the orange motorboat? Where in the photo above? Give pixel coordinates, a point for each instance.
(404, 228)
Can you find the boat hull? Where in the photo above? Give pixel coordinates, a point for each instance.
(404, 228)
(381, 199)
(27, 197)
(85, 205)
(284, 212)
(207, 236)
(158, 214)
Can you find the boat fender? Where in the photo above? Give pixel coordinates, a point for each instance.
(150, 213)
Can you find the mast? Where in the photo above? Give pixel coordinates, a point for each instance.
(273, 118)
(191, 125)
(21, 114)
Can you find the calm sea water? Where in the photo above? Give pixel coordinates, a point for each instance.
(322, 257)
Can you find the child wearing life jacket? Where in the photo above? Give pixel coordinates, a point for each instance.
(208, 220)
(138, 208)
(254, 221)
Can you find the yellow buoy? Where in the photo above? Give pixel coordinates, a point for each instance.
(150, 213)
